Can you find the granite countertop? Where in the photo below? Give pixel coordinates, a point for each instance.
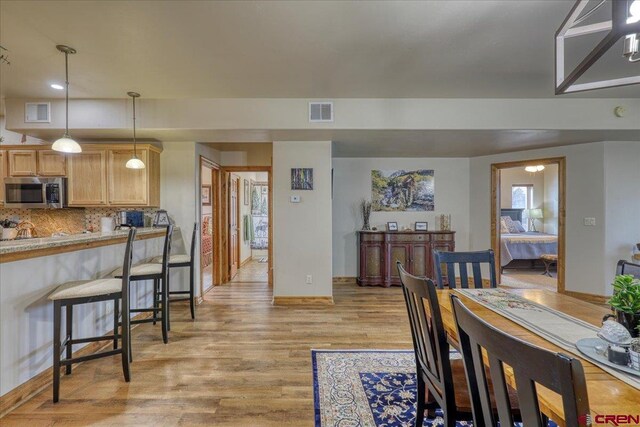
(13, 246)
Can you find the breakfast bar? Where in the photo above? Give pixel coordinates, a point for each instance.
(30, 269)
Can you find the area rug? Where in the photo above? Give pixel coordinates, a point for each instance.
(375, 388)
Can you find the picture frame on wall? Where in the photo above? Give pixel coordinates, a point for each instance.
(421, 226)
(392, 226)
(247, 192)
(302, 178)
(206, 195)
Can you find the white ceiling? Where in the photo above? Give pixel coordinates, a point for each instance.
(287, 49)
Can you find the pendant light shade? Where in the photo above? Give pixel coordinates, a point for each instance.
(134, 162)
(66, 144)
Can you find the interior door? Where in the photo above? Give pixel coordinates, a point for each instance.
(234, 237)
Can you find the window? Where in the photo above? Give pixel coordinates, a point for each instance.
(522, 198)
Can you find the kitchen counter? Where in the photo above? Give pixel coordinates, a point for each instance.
(13, 250)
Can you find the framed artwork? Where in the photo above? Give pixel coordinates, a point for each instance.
(421, 226)
(302, 178)
(206, 195)
(402, 191)
(246, 192)
(392, 226)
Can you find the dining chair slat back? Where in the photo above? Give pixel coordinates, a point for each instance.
(626, 267)
(531, 365)
(451, 260)
(429, 340)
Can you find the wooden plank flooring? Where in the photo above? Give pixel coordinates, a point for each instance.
(243, 362)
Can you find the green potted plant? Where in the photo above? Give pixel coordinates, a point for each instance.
(626, 302)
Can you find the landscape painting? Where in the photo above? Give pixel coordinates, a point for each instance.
(402, 191)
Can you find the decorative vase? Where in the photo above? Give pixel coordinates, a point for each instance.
(366, 226)
(629, 321)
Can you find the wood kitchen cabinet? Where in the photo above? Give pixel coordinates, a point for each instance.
(127, 186)
(87, 178)
(3, 174)
(22, 163)
(380, 250)
(51, 163)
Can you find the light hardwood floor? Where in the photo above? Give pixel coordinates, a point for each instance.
(242, 362)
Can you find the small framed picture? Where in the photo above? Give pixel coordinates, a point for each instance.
(421, 226)
(246, 192)
(392, 226)
(205, 196)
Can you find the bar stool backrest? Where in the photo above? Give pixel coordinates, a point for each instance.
(128, 261)
(461, 259)
(193, 242)
(626, 267)
(166, 251)
(532, 366)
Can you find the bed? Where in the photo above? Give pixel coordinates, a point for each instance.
(526, 245)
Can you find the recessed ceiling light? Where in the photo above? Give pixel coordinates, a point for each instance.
(56, 86)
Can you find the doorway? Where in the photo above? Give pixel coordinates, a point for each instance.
(528, 223)
(248, 225)
(209, 225)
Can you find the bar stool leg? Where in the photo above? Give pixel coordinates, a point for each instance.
(126, 343)
(156, 295)
(57, 324)
(192, 301)
(69, 347)
(165, 309)
(116, 321)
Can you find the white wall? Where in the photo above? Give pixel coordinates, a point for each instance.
(622, 201)
(551, 199)
(302, 231)
(352, 183)
(585, 197)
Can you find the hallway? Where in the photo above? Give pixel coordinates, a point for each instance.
(252, 272)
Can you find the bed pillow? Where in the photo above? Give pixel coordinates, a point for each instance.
(518, 227)
(510, 225)
(504, 229)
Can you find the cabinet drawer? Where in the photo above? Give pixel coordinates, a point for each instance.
(371, 237)
(447, 237)
(407, 237)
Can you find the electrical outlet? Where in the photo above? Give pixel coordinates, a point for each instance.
(309, 279)
(589, 222)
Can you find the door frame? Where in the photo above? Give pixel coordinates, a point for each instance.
(223, 237)
(215, 214)
(232, 177)
(495, 210)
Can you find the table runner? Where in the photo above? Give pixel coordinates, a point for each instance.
(554, 326)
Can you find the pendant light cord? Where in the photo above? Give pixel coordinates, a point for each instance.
(66, 68)
(135, 152)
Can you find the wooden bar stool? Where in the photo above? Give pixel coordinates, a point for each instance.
(89, 291)
(159, 273)
(184, 260)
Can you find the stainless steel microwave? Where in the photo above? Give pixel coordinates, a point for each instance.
(34, 192)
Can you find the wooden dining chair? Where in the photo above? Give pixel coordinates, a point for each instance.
(461, 260)
(531, 366)
(626, 267)
(440, 381)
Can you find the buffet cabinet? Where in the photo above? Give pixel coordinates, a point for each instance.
(380, 250)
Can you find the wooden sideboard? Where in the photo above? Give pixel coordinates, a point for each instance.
(379, 251)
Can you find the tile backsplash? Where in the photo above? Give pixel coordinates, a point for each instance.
(71, 221)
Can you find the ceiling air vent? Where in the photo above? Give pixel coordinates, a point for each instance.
(321, 111)
(37, 112)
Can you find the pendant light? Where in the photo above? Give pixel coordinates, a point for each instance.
(66, 144)
(134, 162)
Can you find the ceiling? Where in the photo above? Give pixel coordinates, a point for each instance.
(286, 49)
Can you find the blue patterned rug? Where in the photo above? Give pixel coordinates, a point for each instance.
(367, 388)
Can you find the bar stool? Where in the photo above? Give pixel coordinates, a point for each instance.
(184, 260)
(159, 273)
(84, 292)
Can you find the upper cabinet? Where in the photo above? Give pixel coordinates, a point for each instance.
(51, 163)
(127, 186)
(87, 178)
(22, 163)
(3, 173)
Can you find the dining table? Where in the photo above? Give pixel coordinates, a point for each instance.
(610, 398)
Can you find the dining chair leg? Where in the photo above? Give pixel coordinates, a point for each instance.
(69, 335)
(192, 299)
(420, 402)
(165, 309)
(57, 324)
(156, 295)
(116, 320)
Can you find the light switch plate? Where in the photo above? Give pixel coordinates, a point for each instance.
(589, 222)
(295, 199)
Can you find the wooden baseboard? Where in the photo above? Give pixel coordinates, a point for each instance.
(294, 300)
(25, 391)
(243, 263)
(346, 280)
(592, 298)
